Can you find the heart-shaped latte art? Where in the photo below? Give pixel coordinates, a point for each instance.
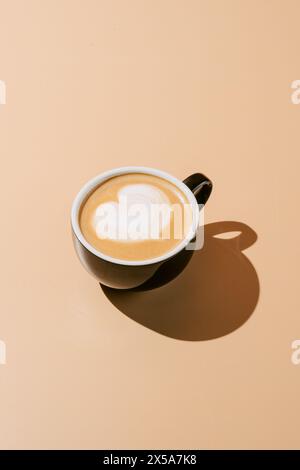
(142, 212)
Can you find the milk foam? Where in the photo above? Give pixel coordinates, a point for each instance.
(142, 212)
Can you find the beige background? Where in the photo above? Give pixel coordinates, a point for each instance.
(183, 86)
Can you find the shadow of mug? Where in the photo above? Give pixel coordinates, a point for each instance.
(216, 292)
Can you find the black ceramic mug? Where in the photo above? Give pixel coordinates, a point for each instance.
(124, 274)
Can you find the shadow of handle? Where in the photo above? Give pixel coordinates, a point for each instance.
(200, 186)
(242, 240)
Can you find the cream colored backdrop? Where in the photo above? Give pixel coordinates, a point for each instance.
(185, 86)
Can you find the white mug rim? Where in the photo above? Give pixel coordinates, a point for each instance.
(99, 179)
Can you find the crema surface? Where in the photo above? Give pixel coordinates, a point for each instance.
(135, 217)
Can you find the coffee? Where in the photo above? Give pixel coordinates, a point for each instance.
(135, 217)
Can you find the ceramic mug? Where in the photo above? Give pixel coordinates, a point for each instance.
(124, 274)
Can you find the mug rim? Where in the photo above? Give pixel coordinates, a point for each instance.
(90, 185)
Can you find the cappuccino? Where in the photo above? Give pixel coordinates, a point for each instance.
(135, 217)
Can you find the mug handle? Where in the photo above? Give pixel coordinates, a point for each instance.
(200, 186)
